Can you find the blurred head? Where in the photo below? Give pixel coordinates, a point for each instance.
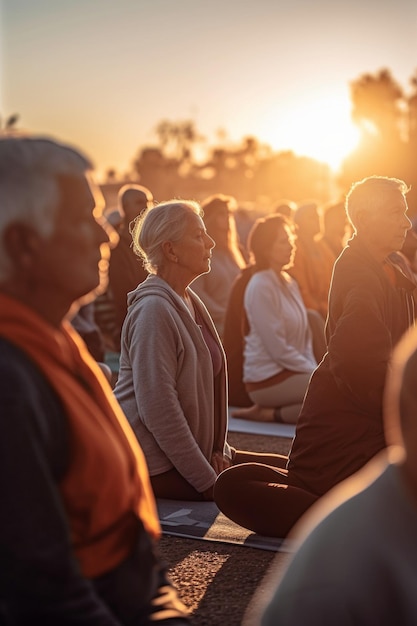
(132, 200)
(285, 207)
(307, 220)
(217, 210)
(168, 223)
(218, 215)
(376, 207)
(335, 222)
(49, 234)
(218, 218)
(271, 238)
(400, 400)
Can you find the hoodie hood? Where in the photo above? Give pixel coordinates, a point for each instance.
(155, 286)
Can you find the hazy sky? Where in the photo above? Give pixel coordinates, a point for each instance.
(102, 73)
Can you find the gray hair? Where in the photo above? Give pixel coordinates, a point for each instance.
(166, 221)
(29, 186)
(370, 193)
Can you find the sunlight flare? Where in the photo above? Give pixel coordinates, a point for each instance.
(319, 127)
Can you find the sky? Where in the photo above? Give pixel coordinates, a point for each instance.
(101, 74)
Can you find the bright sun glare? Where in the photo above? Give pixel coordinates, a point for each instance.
(320, 128)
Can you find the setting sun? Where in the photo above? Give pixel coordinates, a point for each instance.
(318, 127)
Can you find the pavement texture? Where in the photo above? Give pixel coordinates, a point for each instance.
(224, 584)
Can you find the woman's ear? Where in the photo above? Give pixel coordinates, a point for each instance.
(168, 249)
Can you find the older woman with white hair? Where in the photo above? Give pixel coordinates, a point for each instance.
(172, 383)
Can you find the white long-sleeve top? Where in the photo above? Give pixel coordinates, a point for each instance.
(279, 337)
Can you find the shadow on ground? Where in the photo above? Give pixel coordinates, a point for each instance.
(224, 584)
(217, 582)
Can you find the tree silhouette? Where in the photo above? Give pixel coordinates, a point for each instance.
(384, 113)
(412, 110)
(387, 119)
(249, 171)
(376, 101)
(9, 123)
(177, 139)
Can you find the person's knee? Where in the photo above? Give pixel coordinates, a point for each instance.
(236, 482)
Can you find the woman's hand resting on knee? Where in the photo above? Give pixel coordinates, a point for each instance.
(220, 462)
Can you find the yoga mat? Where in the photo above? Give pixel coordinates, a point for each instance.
(204, 521)
(260, 428)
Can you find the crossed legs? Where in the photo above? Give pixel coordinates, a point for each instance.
(258, 497)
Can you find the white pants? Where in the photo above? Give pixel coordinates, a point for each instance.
(287, 396)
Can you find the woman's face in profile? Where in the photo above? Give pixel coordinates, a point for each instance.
(193, 251)
(283, 248)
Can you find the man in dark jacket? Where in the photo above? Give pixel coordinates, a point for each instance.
(357, 557)
(340, 428)
(370, 307)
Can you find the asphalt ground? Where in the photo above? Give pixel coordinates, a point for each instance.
(225, 584)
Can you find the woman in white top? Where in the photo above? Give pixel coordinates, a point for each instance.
(278, 352)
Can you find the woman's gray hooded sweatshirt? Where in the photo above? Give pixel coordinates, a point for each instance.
(166, 385)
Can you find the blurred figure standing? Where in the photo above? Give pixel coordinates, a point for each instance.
(329, 244)
(227, 260)
(334, 235)
(321, 238)
(235, 328)
(307, 268)
(126, 270)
